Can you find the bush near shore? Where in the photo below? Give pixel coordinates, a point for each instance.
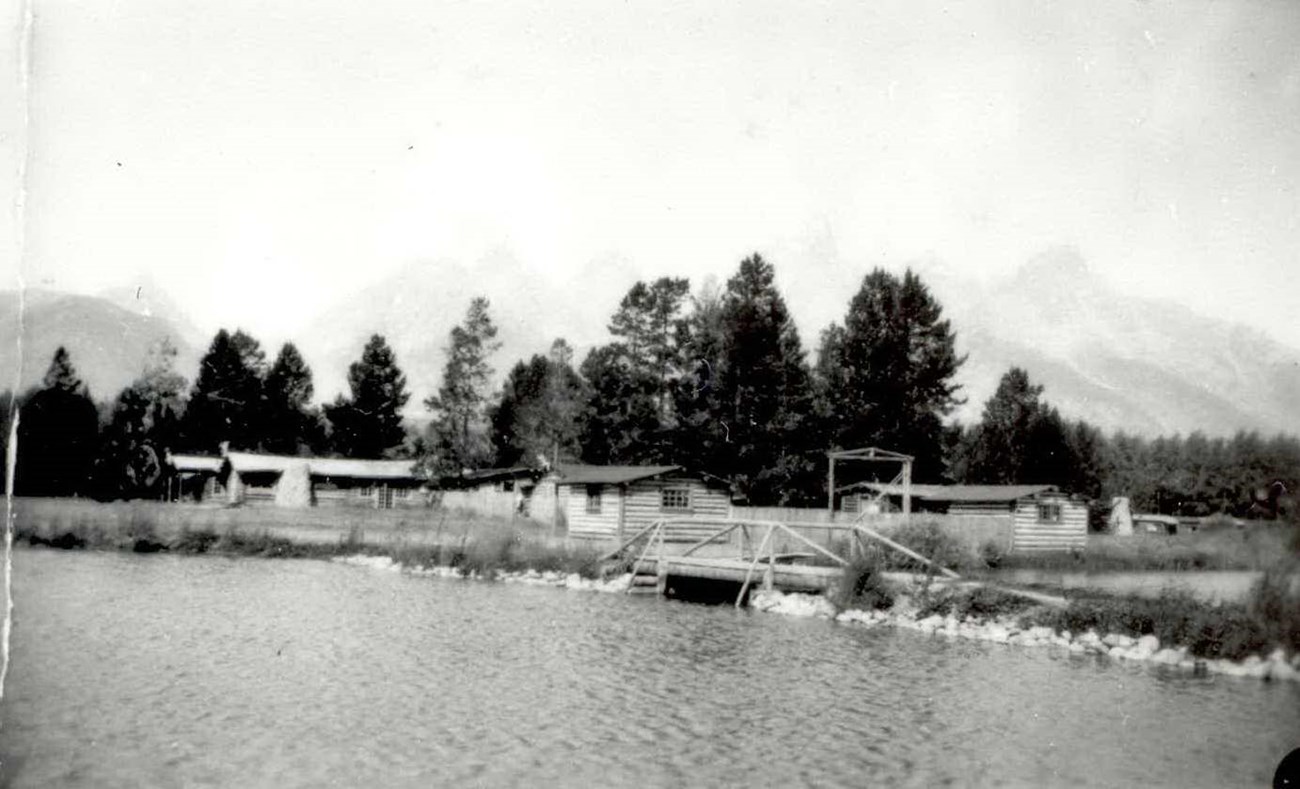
(1268, 619)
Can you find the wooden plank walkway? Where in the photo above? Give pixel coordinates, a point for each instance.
(790, 577)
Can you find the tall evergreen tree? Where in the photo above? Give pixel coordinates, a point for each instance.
(632, 414)
(892, 371)
(536, 416)
(293, 426)
(226, 403)
(764, 389)
(620, 423)
(58, 433)
(999, 446)
(143, 425)
(651, 328)
(460, 429)
(369, 424)
(1022, 440)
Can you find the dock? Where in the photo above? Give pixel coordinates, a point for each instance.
(781, 559)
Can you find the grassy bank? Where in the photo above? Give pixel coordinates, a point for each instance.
(1268, 619)
(974, 545)
(426, 537)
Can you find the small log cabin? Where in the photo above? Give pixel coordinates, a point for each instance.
(194, 477)
(249, 478)
(1038, 517)
(615, 502)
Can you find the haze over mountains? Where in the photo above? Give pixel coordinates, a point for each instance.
(1119, 360)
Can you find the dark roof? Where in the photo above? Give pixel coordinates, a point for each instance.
(962, 493)
(468, 479)
(609, 475)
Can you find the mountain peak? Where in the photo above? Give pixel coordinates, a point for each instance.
(1058, 267)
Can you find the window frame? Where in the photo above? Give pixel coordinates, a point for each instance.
(664, 494)
(1050, 512)
(594, 495)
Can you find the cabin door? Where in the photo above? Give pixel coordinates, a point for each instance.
(385, 497)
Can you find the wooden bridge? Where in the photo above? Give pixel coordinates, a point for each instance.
(732, 550)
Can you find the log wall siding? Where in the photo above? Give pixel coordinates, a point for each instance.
(645, 506)
(641, 503)
(589, 525)
(1031, 534)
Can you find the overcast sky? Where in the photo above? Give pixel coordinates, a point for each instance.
(260, 160)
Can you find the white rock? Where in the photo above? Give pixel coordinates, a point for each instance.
(1117, 640)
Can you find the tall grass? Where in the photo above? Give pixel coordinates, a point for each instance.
(1267, 619)
(485, 547)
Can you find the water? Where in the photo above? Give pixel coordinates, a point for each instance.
(169, 671)
(1209, 585)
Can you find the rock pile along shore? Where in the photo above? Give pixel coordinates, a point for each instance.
(1007, 630)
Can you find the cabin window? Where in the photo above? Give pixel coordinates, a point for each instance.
(675, 499)
(401, 493)
(1049, 513)
(365, 492)
(593, 499)
(508, 485)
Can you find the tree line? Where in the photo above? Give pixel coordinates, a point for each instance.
(716, 380)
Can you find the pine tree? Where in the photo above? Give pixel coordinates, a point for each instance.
(1000, 444)
(58, 434)
(225, 405)
(536, 416)
(891, 372)
(651, 328)
(632, 411)
(143, 426)
(620, 423)
(292, 425)
(764, 390)
(369, 424)
(460, 437)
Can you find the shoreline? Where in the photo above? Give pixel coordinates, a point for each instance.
(999, 630)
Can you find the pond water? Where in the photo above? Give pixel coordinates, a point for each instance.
(1209, 585)
(168, 671)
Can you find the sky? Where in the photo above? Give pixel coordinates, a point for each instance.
(261, 160)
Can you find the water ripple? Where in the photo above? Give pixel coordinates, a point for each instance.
(133, 671)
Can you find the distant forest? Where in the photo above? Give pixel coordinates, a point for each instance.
(717, 380)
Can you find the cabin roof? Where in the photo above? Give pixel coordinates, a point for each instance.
(958, 493)
(249, 462)
(194, 462)
(484, 475)
(609, 475)
(1151, 518)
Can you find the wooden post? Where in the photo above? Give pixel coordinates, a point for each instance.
(907, 490)
(830, 489)
(622, 490)
(749, 574)
(769, 577)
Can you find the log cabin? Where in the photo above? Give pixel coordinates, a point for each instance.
(615, 502)
(1037, 517)
(251, 478)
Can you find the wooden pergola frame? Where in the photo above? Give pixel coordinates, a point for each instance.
(871, 454)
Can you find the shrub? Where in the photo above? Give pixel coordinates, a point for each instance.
(863, 585)
(194, 541)
(929, 540)
(991, 554)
